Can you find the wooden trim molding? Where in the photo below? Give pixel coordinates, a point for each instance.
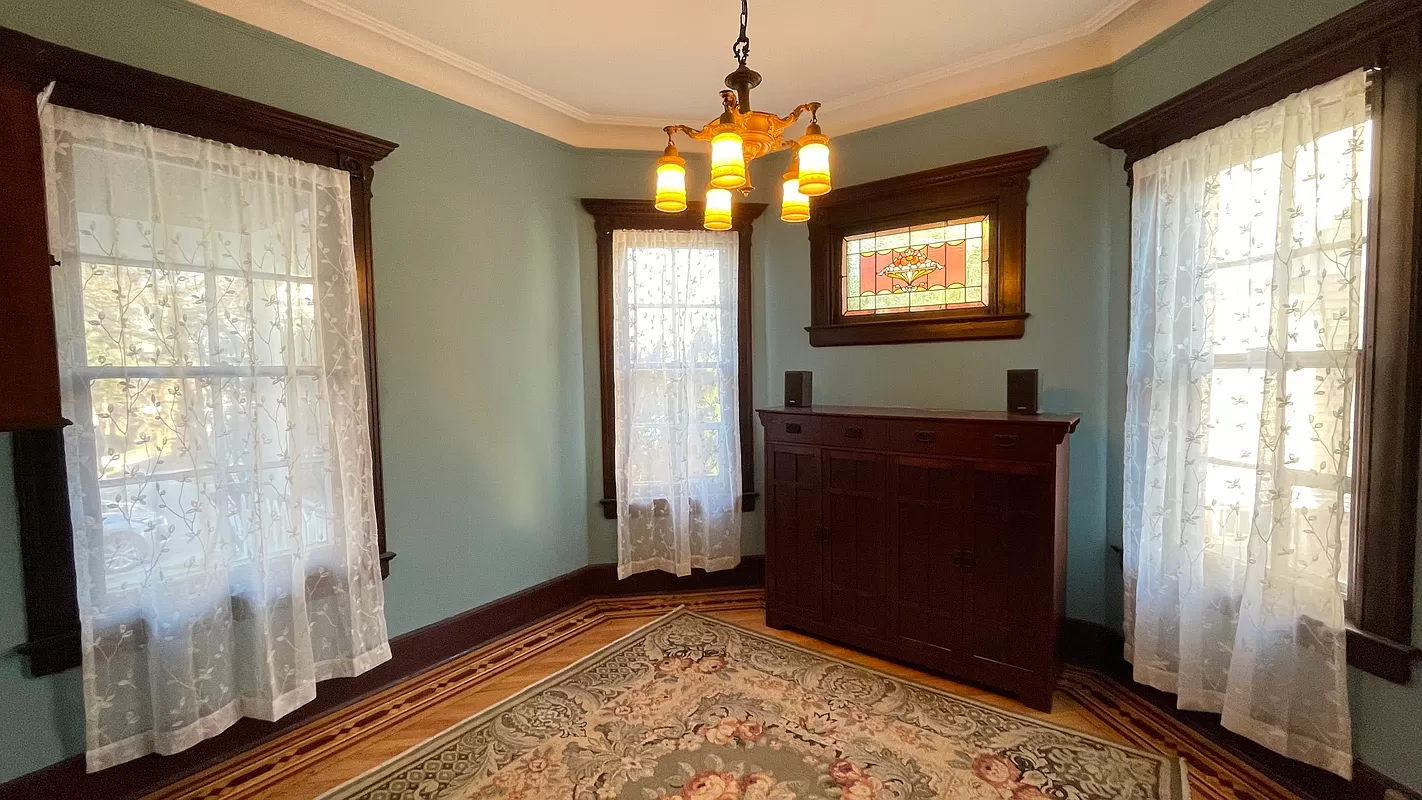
(995, 187)
(443, 645)
(1356, 39)
(29, 361)
(100, 86)
(1385, 35)
(635, 215)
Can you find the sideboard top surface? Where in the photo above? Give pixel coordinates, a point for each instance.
(948, 415)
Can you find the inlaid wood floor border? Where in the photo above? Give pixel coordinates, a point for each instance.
(253, 772)
(1215, 774)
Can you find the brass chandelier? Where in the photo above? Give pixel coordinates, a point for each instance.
(739, 136)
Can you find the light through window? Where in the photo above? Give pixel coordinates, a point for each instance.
(934, 267)
(1300, 353)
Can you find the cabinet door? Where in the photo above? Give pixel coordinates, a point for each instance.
(855, 524)
(794, 551)
(1008, 561)
(926, 583)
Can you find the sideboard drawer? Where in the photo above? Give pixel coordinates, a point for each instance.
(858, 432)
(1006, 442)
(927, 437)
(801, 428)
(1000, 442)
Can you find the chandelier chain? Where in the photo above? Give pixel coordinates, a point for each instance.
(741, 49)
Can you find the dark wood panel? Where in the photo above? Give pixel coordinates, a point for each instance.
(29, 359)
(1009, 558)
(854, 524)
(795, 557)
(934, 537)
(926, 587)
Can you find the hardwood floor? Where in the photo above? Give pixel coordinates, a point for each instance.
(341, 746)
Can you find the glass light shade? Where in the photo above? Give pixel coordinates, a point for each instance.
(671, 182)
(794, 205)
(728, 161)
(814, 164)
(718, 209)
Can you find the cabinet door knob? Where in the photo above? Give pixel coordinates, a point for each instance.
(925, 436)
(822, 531)
(1005, 439)
(964, 559)
(792, 427)
(853, 433)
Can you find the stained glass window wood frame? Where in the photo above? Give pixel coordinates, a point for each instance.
(991, 190)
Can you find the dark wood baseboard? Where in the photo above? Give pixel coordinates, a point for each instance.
(412, 654)
(1097, 647)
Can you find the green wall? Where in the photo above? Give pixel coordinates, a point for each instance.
(479, 330)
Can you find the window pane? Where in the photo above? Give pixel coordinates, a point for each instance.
(931, 267)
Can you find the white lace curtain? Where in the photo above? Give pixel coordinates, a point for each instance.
(1246, 323)
(219, 462)
(678, 449)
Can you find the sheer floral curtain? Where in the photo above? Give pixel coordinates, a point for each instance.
(1246, 325)
(678, 449)
(219, 463)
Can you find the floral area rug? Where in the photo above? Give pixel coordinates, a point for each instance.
(693, 708)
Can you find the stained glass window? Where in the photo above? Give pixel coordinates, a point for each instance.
(933, 267)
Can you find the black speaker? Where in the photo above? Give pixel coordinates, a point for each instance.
(1022, 391)
(798, 388)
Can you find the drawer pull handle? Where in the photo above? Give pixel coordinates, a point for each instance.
(854, 433)
(925, 436)
(1005, 439)
(792, 427)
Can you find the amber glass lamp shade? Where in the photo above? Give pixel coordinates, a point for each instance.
(718, 209)
(814, 162)
(794, 205)
(671, 182)
(728, 161)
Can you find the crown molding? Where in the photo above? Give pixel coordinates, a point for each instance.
(349, 33)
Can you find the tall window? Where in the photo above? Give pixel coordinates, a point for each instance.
(1246, 333)
(674, 358)
(220, 472)
(676, 377)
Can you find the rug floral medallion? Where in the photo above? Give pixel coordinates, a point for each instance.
(693, 708)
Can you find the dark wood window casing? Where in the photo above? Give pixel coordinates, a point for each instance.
(996, 187)
(99, 86)
(641, 215)
(1386, 36)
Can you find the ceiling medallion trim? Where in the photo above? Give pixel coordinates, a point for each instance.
(419, 62)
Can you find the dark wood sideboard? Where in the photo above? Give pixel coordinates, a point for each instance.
(936, 538)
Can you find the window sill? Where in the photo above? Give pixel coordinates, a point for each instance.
(900, 331)
(1380, 656)
(609, 504)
